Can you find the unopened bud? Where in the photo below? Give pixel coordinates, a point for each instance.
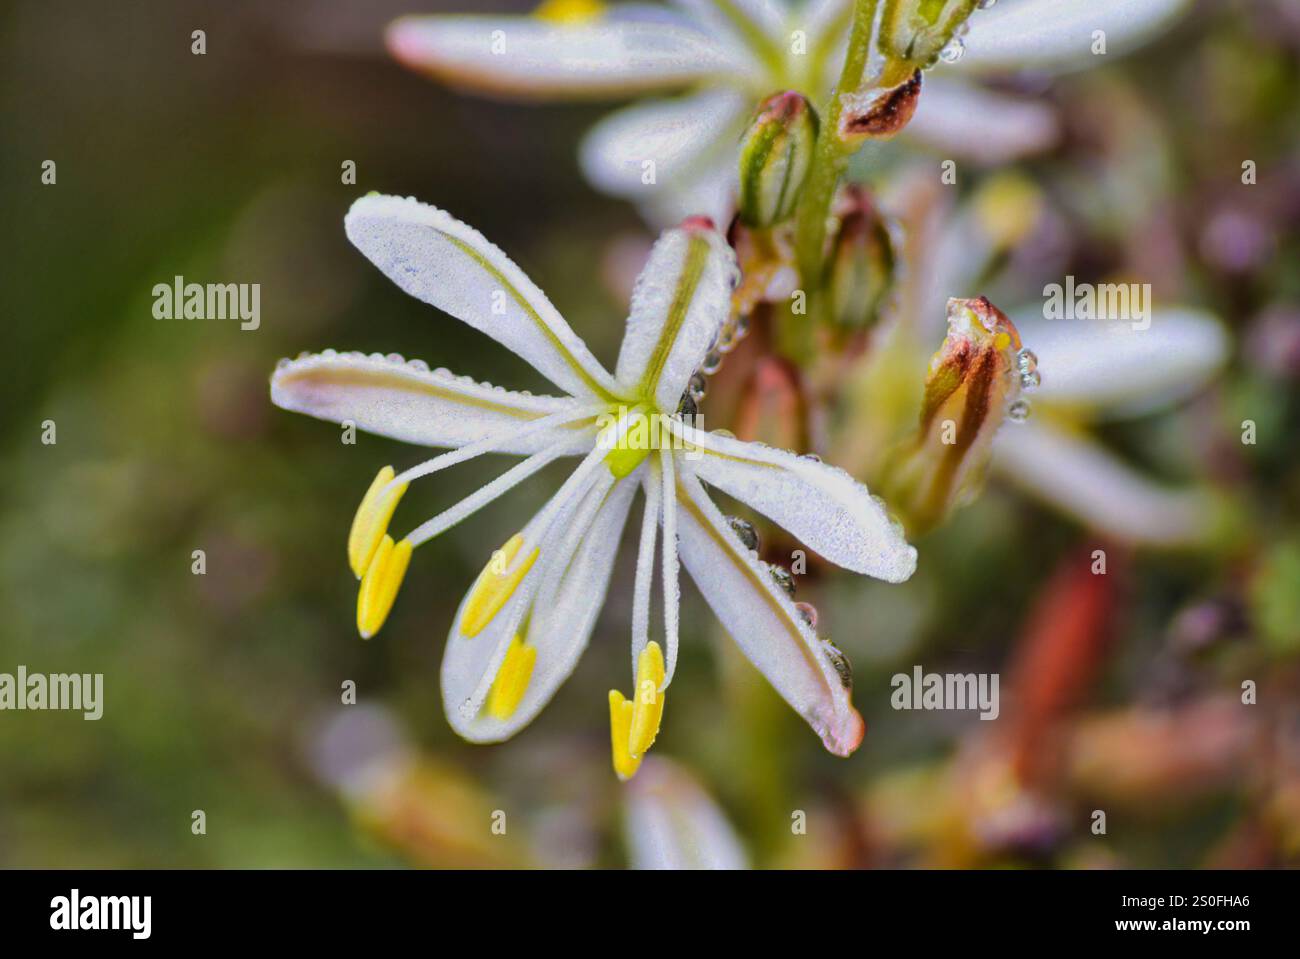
(915, 31)
(860, 269)
(775, 155)
(879, 113)
(973, 384)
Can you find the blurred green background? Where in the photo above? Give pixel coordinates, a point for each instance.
(221, 690)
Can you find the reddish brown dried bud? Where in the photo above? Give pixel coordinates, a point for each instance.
(879, 114)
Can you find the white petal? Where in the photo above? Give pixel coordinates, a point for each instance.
(678, 306)
(966, 120)
(562, 594)
(825, 508)
(672, 823)
(1079, 477)
(436, 258)
(762, 620)
(679, 137)
(1059, 34)
(709, 190)
(754, 29)
(1123, 369)
(392, 398)
(527, 57)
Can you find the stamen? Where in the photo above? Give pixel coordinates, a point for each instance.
(481, 497)
(495, 585)
(672, 587)
(620, 729)
(569, 11)
(648, 700)
(645, 562)
(371, 520)
(512, 679)
(492, 443)
(380, 585)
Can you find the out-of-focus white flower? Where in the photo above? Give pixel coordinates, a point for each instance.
(670, 822)
(520, 630)
(677, 156)
(960, 115)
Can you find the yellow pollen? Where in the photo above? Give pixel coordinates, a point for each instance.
(620, 728)
(1001, 341)
(371, 522)
(647, 700)
(380, 585)
(512, 679)
(569, 11)
(494, 586)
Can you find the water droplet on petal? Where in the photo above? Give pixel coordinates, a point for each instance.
(808, 613)
(745, 530)
(843, 667)
(1018, 411)
(712, 363)
(697, 386)
(952, 51)
(783, 579)
(985, 4)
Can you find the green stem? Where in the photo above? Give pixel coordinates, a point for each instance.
(819, 189)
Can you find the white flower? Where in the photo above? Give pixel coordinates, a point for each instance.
(678, 156)
(522, 626)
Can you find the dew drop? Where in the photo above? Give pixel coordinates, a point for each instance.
(745, 530)
(808, 613)
(420, 365)
(712, 363)
(843, 667)
(985, 4)
(952, 51)
(783, 578)
(1018, 411)
(697, 386)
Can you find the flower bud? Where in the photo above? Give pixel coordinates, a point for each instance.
(878, 113)
(916, 31)
(973, 384)
(775, 156)
(860, 269)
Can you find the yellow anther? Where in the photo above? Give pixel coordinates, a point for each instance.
(371, 522)
(1001, 341)
(569, 11)
(512, 679)
(620, 728)
(495, 585)
(647, 699)
(380, 584)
